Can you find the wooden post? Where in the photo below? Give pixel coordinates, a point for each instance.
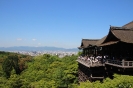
(122, 62)
(91, 63)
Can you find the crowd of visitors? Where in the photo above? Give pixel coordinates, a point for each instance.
(93, 59)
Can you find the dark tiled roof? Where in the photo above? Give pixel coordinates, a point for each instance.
(124, 35)
(108, 43)
(86, 42)
(100, 41)
(128, 25)
(115, 35)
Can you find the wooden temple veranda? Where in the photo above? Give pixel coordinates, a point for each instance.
(102, 58)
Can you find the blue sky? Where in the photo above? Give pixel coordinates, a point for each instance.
(59, 23)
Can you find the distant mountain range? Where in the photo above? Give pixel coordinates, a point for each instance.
(28, 48)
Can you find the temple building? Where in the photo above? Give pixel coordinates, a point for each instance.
(113, 53)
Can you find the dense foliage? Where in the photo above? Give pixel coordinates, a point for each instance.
(119, 81)
(46, 71)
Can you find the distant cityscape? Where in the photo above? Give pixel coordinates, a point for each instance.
(35, 51)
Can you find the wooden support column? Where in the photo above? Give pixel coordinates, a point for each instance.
(84, 51)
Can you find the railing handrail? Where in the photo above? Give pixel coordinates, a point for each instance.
(122, 63)
(128, 61)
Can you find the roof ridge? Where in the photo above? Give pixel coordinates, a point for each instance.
(91, 39)
(123, 29)
(127, 24)
(118, 28)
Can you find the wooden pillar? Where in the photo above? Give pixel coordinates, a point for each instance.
(94, 51)
(85, 52)
(95, 48)
(123, 62)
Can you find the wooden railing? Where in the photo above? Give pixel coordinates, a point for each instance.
(117, 63)
(128, 63)
(114, 62)
(90, 63)
(124, 64)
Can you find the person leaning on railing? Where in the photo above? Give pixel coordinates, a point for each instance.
(89, 60)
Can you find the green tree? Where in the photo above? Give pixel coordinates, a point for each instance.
(10, 62)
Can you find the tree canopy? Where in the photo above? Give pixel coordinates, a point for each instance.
(47, 71)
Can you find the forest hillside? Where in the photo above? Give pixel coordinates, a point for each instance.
(46, 71)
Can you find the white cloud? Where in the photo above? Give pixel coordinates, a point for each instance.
(33, 39)
(19, 39)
